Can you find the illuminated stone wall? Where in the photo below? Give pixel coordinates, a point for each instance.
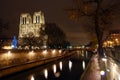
(29, 26)
(18, 57)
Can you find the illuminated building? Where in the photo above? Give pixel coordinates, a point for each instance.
(113, 39)
(30, 26)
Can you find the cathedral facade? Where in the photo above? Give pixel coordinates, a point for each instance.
(31, 25)
(31, 30)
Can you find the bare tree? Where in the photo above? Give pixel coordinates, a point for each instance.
(3, 26)
(99, 11)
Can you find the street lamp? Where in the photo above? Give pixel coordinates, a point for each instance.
(102, 73)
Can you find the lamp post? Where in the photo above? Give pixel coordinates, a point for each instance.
(102, 73)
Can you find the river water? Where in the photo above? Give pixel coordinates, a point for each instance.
(66, 69)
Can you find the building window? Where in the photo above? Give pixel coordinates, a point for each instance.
(24, 20)
(37, 19)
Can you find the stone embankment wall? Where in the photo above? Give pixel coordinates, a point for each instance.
(15, 61)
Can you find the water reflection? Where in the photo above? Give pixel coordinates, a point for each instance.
(54, 68)
(70, 65)
(66, 69)
(60, 64)
(57, 74)
(86, 54)
(32, 78)
(46, 73)
(83, 64)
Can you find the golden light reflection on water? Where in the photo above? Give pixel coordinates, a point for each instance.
(57, 74)
(46, 73)
(70, 65)
(83, 64)
(32, 78)
(54, 68)
(60, 64)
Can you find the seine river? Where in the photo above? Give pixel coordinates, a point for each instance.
(66, 69)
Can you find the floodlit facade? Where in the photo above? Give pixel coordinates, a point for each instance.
(31, 25)
(32, 28)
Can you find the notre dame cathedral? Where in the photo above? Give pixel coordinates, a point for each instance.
(31, 26)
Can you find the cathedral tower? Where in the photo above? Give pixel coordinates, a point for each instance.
(29, 26)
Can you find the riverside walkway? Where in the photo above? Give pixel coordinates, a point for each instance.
(109, 65)
(92, 71)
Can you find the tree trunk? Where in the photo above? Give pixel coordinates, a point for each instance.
(98, 31)
(99, 35)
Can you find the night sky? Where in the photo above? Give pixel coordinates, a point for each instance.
(54, 12)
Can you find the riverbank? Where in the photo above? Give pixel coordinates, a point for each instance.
(21, 67)
(92, 72)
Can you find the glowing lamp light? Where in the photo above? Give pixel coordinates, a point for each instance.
(7, 47)
(60, 51)
(31, 53)
(102, 72)
(104, 59)
(45, 52)
(53, 51)
(116, 39)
